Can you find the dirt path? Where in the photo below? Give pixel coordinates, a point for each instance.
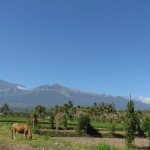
(16, 147)
(119, 142)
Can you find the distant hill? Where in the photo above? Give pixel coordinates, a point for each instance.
(18, 96)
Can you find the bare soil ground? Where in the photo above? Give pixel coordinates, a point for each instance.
(16, 147)
(118, 142)
(142, 143)
(139, 142)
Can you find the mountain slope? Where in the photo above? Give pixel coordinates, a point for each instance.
(57, 94)
(8, 85)
(7, 88)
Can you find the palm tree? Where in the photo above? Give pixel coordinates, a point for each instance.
(34, 118)
(111, 109)
(70, 103)
(58, 115)
(40, 110)
(5, 108)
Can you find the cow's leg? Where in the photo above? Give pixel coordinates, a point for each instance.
(25, 134)
(12, 133)
(15, 134)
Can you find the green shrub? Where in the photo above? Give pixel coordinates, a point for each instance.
(83, 124)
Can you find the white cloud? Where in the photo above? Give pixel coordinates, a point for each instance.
(144, 99)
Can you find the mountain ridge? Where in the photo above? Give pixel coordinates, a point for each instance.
(6, 85)
(50, 95)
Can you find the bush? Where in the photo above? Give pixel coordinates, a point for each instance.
(83, 124)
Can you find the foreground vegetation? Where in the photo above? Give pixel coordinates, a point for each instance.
(99, 121)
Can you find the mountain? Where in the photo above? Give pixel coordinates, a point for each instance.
(18, 96)
(7, 85)
(7, 89)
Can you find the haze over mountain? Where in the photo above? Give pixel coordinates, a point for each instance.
(18, 96)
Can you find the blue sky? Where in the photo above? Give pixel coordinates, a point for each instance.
(98, 46)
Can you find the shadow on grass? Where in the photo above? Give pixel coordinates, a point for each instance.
(93, 132)
(143, 148)
(116, 135)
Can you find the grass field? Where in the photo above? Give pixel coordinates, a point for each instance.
(53, 141)
(40, 142)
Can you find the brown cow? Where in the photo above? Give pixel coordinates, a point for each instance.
(21, 128)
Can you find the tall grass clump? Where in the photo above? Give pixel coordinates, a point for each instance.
(106, 146)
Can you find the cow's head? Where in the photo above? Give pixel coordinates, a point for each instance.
(29, 136)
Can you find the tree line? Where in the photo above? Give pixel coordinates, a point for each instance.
(135, 122)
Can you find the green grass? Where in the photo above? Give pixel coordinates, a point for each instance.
(13, 119)
(106, 146)
(45, 139)
(71, 125)
(55, 144)
(106, 126)
(38, 141)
